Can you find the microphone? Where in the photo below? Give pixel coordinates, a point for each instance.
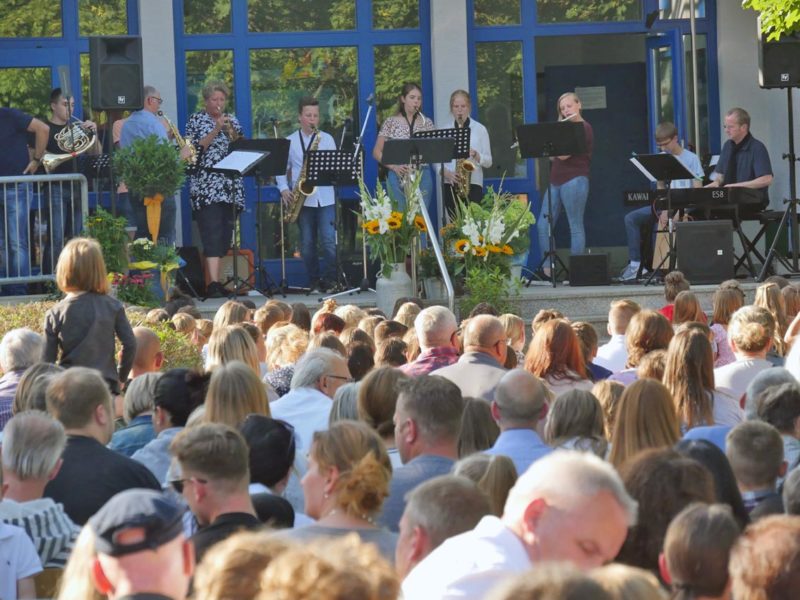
(371, 98)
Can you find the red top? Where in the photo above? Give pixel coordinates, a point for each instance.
(564, 170)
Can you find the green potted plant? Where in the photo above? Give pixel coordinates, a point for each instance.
(162, 260)
(152, 169)
(109, 231)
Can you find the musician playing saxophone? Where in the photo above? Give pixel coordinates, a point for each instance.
(480, 153)
(61, 201)
(317, 218)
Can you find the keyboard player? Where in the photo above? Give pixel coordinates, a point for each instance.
(667, 141)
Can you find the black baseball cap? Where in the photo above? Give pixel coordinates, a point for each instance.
(156, 514)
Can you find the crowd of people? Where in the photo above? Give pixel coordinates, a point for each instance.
(353, 454)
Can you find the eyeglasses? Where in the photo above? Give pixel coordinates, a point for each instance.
(345, 379)
(157, 99)
(177, 484)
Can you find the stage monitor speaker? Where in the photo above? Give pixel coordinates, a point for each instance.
(705, 250)
(779, 62)
(588, 269)
(115, 65)
(192, 272)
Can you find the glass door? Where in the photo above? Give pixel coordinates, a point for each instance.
(665, 82)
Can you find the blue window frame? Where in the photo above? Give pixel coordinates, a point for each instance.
(241, 42)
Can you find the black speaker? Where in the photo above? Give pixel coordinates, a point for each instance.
(190, 277)
(705, 250)
(115, 65)
(779, 62)
(588, 269)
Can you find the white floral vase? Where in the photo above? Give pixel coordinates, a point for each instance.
(389, 289)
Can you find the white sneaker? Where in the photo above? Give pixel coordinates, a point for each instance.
(629, 273)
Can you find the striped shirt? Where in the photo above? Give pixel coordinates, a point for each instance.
(51, 530)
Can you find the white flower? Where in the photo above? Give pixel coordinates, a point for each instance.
(383, 225)
(494, 230)
(471, 231)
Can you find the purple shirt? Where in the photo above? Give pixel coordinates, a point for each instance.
(576, 165)
(8, 389)
(430, 360)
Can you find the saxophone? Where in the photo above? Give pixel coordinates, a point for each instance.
(192, 159)
(464, 170)
(302, 189)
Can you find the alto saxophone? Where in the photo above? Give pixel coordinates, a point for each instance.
(302, 189)
(179, 139)
(464, 170)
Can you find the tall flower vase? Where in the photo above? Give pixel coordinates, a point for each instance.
(389, 289)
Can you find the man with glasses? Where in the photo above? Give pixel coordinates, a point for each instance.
(744, 160)
(667, 142)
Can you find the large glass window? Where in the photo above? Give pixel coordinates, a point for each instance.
(102, 17)
(567, 11)
(491, 12)
(701, 143)
(30, 18)
(204, 66)
(681, 9)
(663, 84)
(308, 15)
(395, 14)
(500, 103)
(202, 16)
(27, 89)
(394, 66)
(280, 77)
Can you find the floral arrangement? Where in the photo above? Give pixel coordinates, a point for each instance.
(109, 231)
(135, 290)
(145, 255)
(391, 230)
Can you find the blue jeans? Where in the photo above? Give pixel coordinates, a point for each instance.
(14, 233)
(63, 204)
(396, 190)
(318, 224)
(136, 208)
(634, 221)
(572, 195)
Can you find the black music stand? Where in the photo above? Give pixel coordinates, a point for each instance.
(548, 140)
(98, 167)
(238, 163)
(667, 168)
(277, 151)
(461, 135)
(334, 168)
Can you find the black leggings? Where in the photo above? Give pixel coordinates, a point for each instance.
(215, 222)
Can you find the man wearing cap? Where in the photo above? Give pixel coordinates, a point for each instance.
(214, 481)
(141, 550)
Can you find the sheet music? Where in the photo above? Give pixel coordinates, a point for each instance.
(644, 171)
(239, 160)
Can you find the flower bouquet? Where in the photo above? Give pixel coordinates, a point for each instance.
(146, 256)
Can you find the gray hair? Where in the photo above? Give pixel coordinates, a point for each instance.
(20, 349)
(430, 506)
(520, 397)
(33, 442)
(148, 91)
(313, 365)
(567, 478)
(139, 395)
(345, 403)
(765, 379)
(435, 325)
(215, 86)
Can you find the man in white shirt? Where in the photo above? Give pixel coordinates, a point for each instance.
(568, 507)
(614, 354)
(317, 218)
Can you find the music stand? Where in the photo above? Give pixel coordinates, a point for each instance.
(98, 167)
(238, 163)
(667, 168)
(547, 140)
(273, 165)
(461, 135)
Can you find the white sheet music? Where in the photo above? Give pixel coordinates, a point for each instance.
(644, 171)
(239, 160)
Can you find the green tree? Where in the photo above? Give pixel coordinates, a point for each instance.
(557, 11)
(777, 17)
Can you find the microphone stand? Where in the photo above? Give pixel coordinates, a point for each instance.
(282, 285)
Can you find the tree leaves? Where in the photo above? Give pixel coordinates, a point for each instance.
(777, 17)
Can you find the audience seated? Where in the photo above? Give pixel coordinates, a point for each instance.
(360, 360)
(515, 334)
(608, 393)
(478, 431)
(773, 376)
(647, 331)
(494, 475)
(555, 356)
(149, 358)
(697, 548)
(345, 403)
(624, 582)
(725, 302)
(587, 339)
(687, 309)
(520, 401)
(479, 369)
(20, 349)
(755, 451)
(674, 283)
(137, 410)
(768, 297)
(285, 345)
(568, 507)
(376, 403)
(30, 394)
(214, 477)
(613, 355)
(780, 407)
(391, 353)
(791, 493)
(90, 473)
(765, 561)
(178, 392)
(427, 421)
(234, 391)
(551, 581)
(436, 328)
(575, 422)
(31, 456)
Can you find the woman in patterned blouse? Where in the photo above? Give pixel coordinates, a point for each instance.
(401, 126)
(212, 194)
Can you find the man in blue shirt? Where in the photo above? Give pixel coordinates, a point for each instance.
(14, 162)
(519, 400)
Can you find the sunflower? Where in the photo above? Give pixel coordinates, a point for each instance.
(480, 251)
(419, 223)
(494, 249)
(462, 246)
(507, 250)
(396, 215)
(394, 222)
(372, 227)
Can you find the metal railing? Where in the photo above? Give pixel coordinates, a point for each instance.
(39, 214)
(433, 240)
